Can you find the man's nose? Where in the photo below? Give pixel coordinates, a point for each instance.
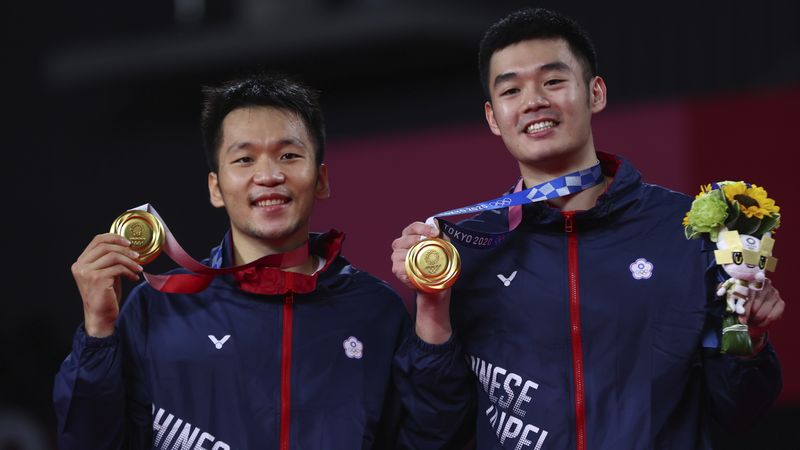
(536, 99)
(268, 175)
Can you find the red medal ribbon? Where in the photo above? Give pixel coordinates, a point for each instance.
(262, 276)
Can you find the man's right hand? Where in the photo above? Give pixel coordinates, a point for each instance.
(433, 309)
(97, 273)
(400, 246)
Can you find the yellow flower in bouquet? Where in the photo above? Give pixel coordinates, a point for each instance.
(753, 200)
(731, 205)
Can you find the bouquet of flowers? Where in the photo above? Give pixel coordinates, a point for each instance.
(740, 218)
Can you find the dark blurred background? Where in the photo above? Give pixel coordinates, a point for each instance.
(102, 114)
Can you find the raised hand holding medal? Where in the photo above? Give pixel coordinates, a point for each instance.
(148, 235)
(433, 264)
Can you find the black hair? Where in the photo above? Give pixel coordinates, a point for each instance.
(538, 23)
(262, 89)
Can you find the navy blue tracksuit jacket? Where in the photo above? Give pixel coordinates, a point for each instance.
(337, 368)
(595, 329)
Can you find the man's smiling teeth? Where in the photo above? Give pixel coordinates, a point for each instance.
(539, 126)
(271, 202)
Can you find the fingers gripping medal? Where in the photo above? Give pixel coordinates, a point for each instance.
(433, 265)
(149, 234)
(144, 231)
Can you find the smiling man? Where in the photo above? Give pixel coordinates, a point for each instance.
(594, 323)
(314, 354)
(267, 179)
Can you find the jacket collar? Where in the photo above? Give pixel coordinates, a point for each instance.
(274, 281)
(620, 193)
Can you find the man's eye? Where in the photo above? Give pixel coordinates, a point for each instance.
(290, 156)
(243, 160)
(553, 82)
(509, 91)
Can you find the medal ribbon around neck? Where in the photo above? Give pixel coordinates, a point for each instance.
(202, 275)
(433, 264)
(568, 184)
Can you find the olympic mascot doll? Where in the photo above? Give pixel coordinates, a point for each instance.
(739, 218)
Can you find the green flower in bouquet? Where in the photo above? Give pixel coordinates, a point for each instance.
(709, 211)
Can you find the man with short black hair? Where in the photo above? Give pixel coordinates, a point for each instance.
(312, 354)
(594, 324)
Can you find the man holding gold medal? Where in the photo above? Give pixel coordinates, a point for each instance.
(276, 341)
(587, 319)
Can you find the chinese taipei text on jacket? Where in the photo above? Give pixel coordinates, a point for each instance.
(573, 348)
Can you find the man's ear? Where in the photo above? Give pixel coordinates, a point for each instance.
(214, 193)
(487, 109)
(323, 187)
(597, 94)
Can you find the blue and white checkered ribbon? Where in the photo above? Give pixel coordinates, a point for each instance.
(568, 184)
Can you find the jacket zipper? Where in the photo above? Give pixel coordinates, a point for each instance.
(286, 368)
(575, 331)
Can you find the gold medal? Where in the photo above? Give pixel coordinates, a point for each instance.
(143, 230)
(433, 265)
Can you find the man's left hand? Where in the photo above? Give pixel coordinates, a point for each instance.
(762, 309)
